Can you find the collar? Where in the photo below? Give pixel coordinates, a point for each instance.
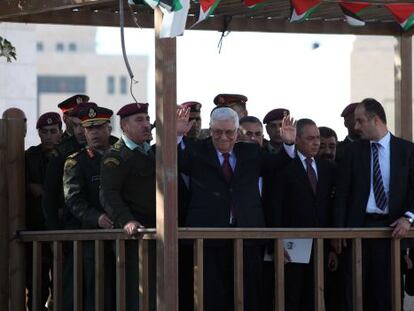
(221, 153)
(303, 158)
(384, 141)
(133, 145)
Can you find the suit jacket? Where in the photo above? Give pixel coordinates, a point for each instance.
(355, 178)
(300, 206)
(211, 196)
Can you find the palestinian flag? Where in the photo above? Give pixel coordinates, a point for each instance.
(207, 8)
(403, 13)
(301, 9)
(352, 11)
(151, 3)
(173, 22)
(254, 4)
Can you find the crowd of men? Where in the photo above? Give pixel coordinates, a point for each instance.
(229, 176)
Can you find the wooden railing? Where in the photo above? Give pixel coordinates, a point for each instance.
(198, 236)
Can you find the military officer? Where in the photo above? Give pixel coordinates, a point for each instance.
(273, 121)
(237, 102)
(67, 107)
(81, 181)
(195, 116)
(49, 126)
(128, 189)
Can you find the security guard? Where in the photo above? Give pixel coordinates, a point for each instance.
(49, 126)
(81, 182)
(273, 121)
(128, 191)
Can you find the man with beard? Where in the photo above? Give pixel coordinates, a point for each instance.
(81, 181)
(128, 192)
(375, 189)
(273, 121)
(49, 126)
(67, 107)
(329, 141)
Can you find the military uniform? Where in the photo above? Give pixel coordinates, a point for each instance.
(81, 182)
(36, 162)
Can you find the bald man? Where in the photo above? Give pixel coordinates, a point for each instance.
(16, 113)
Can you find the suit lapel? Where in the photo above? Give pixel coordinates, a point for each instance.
(301, 174)
(395, 158)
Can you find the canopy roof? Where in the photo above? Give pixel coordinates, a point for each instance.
(273, 17)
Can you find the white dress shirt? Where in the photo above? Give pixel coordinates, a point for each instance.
(303, 160)
(384, 162)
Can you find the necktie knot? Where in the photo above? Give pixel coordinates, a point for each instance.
(309, 161)
(226, 156)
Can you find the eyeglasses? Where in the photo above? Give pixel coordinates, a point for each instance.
(219, 133)
(251, 134)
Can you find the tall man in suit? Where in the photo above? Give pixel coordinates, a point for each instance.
(313, 178)
(375, 189)
(225, 193)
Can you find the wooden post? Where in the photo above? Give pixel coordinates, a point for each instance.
(16, 190)
(357, 274)
(279, 259)
(4, 219)
(396, 274)
(403, 87)
(319, 274)
(166, 103)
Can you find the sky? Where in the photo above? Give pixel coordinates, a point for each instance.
(308, 74)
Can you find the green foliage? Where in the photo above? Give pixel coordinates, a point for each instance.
(7, 50)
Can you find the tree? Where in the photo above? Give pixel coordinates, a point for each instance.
(7, 50)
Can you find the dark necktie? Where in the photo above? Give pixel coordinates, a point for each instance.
(379, 191)
(311, 174)
(228, 175)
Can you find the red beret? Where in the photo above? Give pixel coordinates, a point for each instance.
(93, 116)
(49, 118)
(349, 109)
(275, 114)
(82, 106)
(194, 106)
(228, 99)
(131, 109)
(68, 104)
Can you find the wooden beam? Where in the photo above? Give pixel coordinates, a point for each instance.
(17, 207)
(15, 8)
(146, 20)
(166, 169)
(4, 219)
(403, 87)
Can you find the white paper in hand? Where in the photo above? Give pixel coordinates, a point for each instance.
(299, 249)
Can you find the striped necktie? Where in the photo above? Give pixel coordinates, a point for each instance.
(379, 191)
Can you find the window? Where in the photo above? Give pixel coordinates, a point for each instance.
(60, 47)
(123, 85)
(59, 84)
(39, 46)
(110, 85)
(73, 47)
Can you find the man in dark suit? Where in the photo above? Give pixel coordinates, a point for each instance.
(375, 189)
(225, 193)
(314, 180)
(353, 134)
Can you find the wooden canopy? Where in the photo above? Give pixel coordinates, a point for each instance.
(272, 17)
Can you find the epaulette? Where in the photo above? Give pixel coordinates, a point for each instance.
(71, 160)
(74, 155)
(117, 146)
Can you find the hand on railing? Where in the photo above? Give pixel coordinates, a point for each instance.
(338, 244)
(105, 222)
(401, 227)
(131, 228)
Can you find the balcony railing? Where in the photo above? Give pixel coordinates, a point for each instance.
(199, 236)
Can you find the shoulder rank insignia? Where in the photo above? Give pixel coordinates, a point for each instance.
(70, 162)
(111, 162)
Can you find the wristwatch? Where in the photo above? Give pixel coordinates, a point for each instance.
(410, 219)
